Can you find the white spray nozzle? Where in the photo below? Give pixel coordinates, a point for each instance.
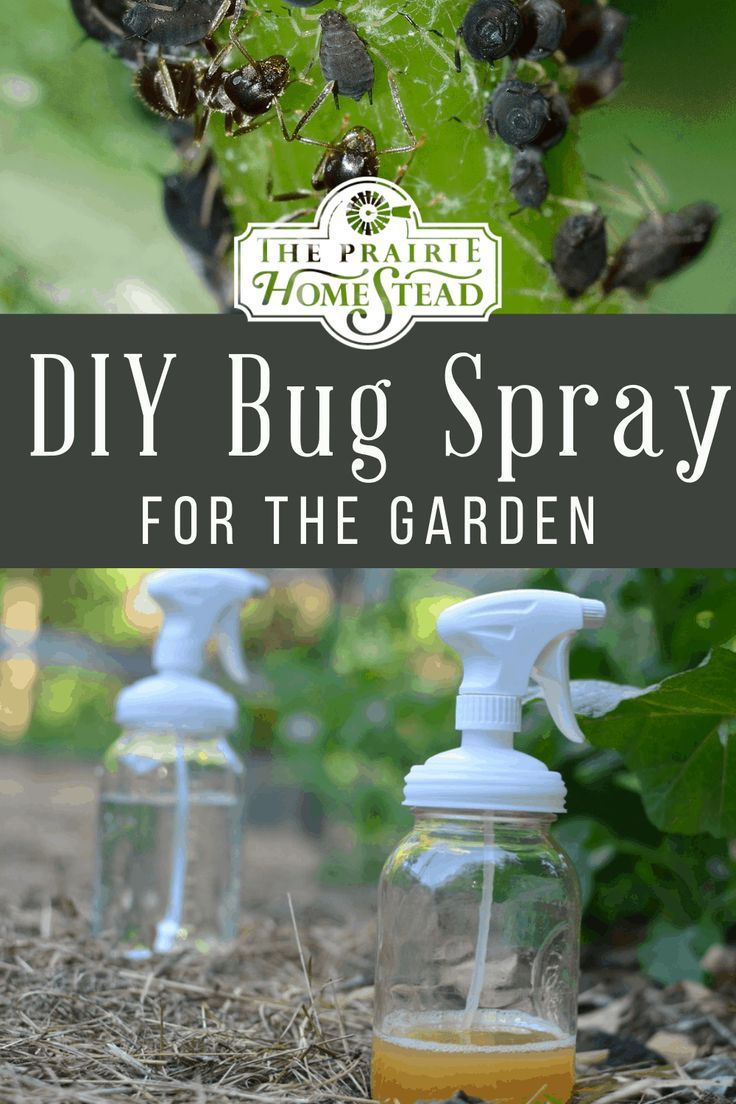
(197, 604)
(507, 639)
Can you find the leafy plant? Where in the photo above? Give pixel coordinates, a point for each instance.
(678, 739)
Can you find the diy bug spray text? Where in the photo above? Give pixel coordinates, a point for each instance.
(495, 448)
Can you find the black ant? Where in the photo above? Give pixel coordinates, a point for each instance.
(244, 94)
(176, 89)
(355, 154)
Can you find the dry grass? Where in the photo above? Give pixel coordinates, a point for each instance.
(77, 1024)
(284, 1015)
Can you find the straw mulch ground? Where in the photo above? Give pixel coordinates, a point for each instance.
(285, 1016)
(79, 1025)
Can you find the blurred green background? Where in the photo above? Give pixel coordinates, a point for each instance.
(351, 686)
(81, 225)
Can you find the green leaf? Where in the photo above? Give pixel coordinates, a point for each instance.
(590, 847)
(671, 954)
(458, 173)
(678, 738)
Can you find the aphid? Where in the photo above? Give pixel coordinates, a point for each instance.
(579, 253)
(584, 28)
(660, 246)
(344, 58)
(544, 28)
(196, 211)
(556, 127)
(613, 26)
(102, 20)
(529, 184)
(180, 133)
(517, 112)
(178, 22)
(594, 83)
(168, 88)
(490, 30)
(594, 33)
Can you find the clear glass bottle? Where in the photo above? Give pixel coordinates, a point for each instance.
(479, 910)
(477, 973)
(171, 792)
(169, 841)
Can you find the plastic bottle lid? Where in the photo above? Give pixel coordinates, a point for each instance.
(491, 776)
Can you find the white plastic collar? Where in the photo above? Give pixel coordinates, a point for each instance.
(486, 774)
(176, 701)
(493, 711)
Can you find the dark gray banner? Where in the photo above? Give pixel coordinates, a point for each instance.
(522, 441)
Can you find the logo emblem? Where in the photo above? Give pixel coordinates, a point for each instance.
(368, 213)
(368, 267)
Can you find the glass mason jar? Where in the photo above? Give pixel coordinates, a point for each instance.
(477, 972)
(169, 841)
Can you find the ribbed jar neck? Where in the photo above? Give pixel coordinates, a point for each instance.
(166, 733)
(447, 822)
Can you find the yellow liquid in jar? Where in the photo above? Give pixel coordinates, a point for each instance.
(505, 1057)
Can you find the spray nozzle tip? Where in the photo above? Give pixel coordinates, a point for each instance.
(594, 613)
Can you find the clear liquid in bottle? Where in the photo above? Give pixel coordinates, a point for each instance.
(169, 843)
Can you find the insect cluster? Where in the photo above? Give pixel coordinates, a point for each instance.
(179, 67)
(544, 62)
(181, 74)
(584, 39)
(579, 42)
(661, 245)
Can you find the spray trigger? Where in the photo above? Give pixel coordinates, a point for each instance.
(229, 646)
(551, 672)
